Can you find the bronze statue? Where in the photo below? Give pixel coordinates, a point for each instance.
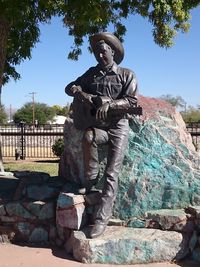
(103, 96)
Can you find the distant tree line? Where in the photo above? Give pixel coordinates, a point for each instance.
(42, 113)
(189, 114)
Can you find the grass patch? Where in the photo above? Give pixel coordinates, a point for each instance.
(50, 167)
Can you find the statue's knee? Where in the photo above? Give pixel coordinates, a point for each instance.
(88, 137)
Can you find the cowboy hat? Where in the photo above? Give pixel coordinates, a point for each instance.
(112, 41)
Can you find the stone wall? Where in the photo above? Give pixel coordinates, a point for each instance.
(28, 208)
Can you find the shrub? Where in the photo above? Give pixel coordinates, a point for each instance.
(58, 147)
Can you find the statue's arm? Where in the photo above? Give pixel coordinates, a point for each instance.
(128, 97)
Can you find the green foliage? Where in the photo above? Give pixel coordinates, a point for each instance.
(167, 18)
(43, 113)
(191, 115)
(64, 111)
(22, 18)
(176, 101)
(3, 115)
(58, 147)
(83, 18)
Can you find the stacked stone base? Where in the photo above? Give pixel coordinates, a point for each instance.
(39, 212)
(162, 235)
(28, 208)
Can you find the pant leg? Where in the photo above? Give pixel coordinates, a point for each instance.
(118, 139)
(91, 139)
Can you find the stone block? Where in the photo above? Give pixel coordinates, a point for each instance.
(137, 223)
(167, 218)
(41, 192)
(16, 209)
(67, 200)
(47, 211)
(123, 245)
(42, 210)
(39, 235)
(72, 218)
(7, 219)
(24, 228)
(34, 207)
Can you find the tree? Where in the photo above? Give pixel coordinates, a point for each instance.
(192, 114)
(42, 113)
(176, 101)
(167, 18)
(19, 31)
(19, 24)
(64, 111)
(3, 115)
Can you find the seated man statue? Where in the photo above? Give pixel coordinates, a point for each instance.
(107, 93)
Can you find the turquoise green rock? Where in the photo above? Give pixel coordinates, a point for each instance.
(124, 245)
(160, 169)
(137, 223)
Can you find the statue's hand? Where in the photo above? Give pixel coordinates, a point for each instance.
(84, 97)
(102, 112)
(75, 89)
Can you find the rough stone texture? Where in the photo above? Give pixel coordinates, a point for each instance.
(39, 235)
(66, 200)
(23, 217)
(122, 245)
(16, 209)
(167, 219)
(71, 218)
(41, 192)
(160, 168)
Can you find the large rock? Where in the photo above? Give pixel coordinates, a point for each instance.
(122, 245)
(160, 169)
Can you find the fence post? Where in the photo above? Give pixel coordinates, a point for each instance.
(22, 141)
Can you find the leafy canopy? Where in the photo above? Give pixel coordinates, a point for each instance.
(167, 17)
(3, 115)
(83, 18)
(192, 114)
(176, 101)
(42, 113)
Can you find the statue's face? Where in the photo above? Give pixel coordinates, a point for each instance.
(104, 54)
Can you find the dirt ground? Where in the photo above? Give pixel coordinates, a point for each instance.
(23, 256)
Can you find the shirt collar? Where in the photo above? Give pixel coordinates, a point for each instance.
(114, 68)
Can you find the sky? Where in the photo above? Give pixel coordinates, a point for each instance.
(159, 71)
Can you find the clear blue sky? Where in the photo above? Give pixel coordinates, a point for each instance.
(174, 71)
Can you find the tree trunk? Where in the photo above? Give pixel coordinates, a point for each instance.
(4, 30)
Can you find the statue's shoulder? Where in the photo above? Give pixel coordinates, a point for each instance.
(90, 70)
(126, 71)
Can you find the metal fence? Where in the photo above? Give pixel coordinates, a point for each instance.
(32, 142)
(194, 129)
(28, 141)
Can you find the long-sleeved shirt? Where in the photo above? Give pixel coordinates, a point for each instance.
(117, 83)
